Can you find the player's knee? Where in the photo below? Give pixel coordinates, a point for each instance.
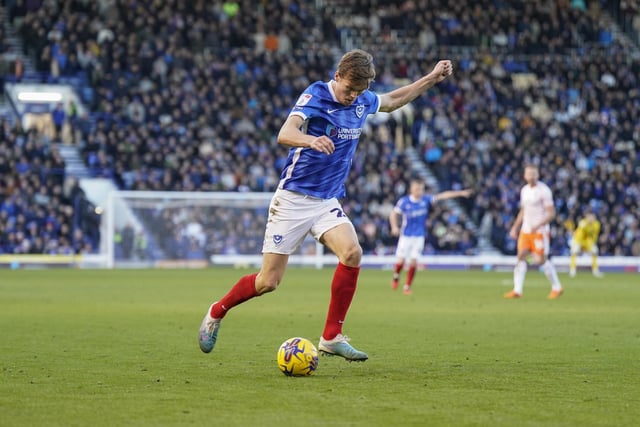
(266, 282)
(539, 260)
(352, 256)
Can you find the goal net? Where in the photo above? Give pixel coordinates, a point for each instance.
(190, 229)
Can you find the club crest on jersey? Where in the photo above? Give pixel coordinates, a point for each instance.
(277, 239)
(360, 111)
(304, 99)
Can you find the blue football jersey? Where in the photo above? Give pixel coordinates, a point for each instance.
(314, 173)
(414, 215)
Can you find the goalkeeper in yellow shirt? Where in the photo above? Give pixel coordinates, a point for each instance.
(585, 239)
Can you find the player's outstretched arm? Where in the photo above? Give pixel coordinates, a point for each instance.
(452, 194)
(403, 95)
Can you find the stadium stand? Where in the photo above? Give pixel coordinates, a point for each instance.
(189, 96)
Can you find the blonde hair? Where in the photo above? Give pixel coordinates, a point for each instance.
(357, 65)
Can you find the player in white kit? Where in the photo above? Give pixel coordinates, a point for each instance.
(322, 131)
(531, 228)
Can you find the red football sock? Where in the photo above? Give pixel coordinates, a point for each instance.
(410, 274)
(343, 287)
(399, 267)
(242, 291)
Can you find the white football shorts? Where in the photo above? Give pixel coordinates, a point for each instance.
(292, 215)
(409, 247)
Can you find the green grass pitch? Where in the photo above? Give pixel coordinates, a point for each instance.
(119, 348)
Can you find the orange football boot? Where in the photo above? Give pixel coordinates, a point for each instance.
(555, 294)
(512, 295)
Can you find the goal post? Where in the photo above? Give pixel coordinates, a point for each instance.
(191, 229)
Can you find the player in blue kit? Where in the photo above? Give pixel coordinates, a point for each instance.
(322, 130)
(414, 210)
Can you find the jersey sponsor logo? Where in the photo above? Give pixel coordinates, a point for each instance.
(417, 212)
(343, 133)
(277, 239)
(360, 111)
(304, 99)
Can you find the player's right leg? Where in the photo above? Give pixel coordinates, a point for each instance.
(395, 279)
(401, 255)
(287, 225)
(573, 262)
(525, 243)
(519, 271)
(249, 286)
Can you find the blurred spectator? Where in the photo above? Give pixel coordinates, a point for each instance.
(58, 116)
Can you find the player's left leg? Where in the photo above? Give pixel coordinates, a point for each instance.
(342, 241)
(411, 272)
(540, 252)
(552, 275)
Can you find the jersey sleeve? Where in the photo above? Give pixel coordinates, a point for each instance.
(305, 105)
(428, 199)
(373, 100)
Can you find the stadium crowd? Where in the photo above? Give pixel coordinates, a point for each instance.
(190, 95)
(41, 211)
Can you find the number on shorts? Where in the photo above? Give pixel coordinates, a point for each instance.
(339, 213)
(538, 244)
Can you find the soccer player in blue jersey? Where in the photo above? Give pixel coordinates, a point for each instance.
(322, 130)
(414, 210)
